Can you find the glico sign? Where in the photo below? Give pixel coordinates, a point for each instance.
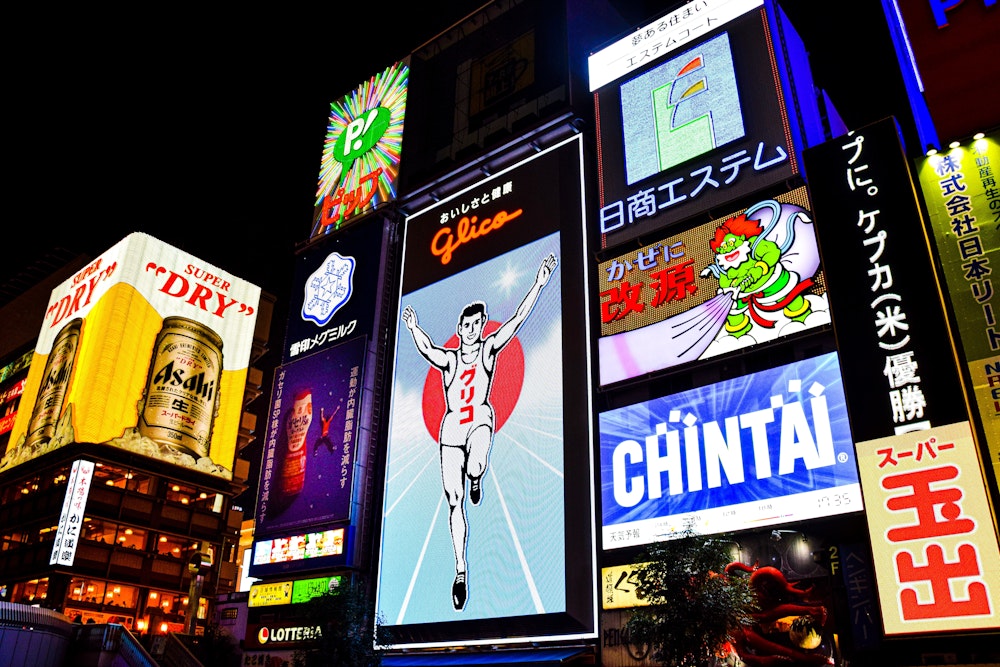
(486, 457)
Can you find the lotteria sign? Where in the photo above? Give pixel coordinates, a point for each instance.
(280, 634)
(767, 448)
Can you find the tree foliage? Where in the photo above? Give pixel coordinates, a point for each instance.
(347, 621)
(694, 608)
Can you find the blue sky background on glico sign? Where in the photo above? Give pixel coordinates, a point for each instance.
(763, 449)
(689, 132)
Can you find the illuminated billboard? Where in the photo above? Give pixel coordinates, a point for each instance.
(937, 563)
(964, 206)
(361, 152)
(312, 550)
(763, 449)
(71, 518)
(145, 349)
(749, 277)
(337, 287)
(486, 528)
(310, 449)
(691, 129)
(884, 299)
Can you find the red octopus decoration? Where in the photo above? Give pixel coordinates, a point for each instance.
(778, 599)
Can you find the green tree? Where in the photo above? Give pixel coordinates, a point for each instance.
(694, 608)
(347, 621)
(216, 647)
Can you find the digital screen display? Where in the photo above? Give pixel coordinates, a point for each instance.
(311, 445)
(145, 349)
(690, 130)
(485, 454)
(763, 449)
(747, 278)
(299, 547)
(901, 374)
(681, 109)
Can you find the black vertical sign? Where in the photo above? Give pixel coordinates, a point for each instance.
(897, 358)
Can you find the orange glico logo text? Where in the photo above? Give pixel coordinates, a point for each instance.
(446, 242)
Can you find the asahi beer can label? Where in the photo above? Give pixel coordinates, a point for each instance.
(55, 380)
(182, 390)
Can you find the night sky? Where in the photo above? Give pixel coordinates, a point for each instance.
(206, 130)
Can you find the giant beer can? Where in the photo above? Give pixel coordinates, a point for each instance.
(55, 381)
(181, 399)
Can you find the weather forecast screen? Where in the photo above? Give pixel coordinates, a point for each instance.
(475, 515)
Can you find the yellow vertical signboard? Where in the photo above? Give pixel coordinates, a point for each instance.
(963, 200)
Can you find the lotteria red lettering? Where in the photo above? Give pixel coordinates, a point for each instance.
(445, 242)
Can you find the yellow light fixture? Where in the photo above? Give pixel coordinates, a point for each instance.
(978, 135)
(954, 144)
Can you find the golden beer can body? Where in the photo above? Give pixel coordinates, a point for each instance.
(181, 398)
(55, 381)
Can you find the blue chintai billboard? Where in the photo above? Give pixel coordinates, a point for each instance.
(764, 449)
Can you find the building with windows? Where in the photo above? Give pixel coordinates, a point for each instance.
(147, 529)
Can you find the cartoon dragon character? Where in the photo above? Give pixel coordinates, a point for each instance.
(764, 272)
(787, 630)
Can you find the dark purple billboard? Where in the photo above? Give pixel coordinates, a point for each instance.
(312, 433)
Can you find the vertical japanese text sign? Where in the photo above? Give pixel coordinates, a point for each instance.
(884, 301)
(71, 517)
(937, 563)
(963, 201)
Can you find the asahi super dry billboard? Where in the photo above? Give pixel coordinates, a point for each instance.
(145, 349)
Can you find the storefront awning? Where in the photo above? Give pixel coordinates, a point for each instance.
(534, 657)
